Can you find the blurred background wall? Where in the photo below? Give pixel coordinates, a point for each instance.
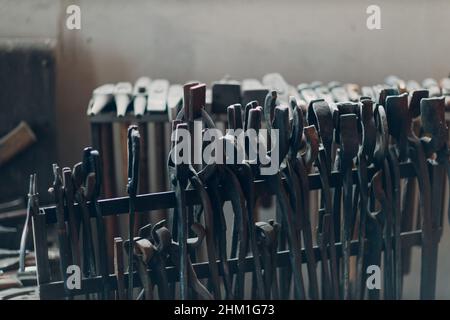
(182, 40)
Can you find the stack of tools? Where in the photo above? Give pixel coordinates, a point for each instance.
(363, 150)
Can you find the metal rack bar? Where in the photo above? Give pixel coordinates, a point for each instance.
(55, 290)
(166, 200)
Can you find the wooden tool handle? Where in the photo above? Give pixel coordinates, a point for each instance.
(19, 139)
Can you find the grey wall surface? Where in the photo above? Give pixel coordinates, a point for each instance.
(183, 40)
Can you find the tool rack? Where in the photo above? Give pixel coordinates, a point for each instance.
(50, 289)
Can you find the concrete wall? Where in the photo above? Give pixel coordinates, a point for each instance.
(185, 39)
(182, 40)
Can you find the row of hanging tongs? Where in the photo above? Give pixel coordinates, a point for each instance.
(362, 142)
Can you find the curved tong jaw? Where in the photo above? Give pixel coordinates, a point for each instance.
(297, 128)
(312, 146)
(342, 108)
(180, 169)
(161, 237)
(133, 159)
(234, 115)
(281, 122)
(367, 127)
(434, 126)
(91, 172)
(319, 115)
(349, 141)
(254, 122)
(267, 232)
(382, 138)
(57, 181)
(269, 108)
(33, 196)
(157, 238)
(384, 93)
(248, 107)
(399, 122)
(415, 97)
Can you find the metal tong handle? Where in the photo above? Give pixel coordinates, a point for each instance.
(132, 185)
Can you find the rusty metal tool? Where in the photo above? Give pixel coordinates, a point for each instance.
(297, 185)
(315, 147)
(374, 233)
(320, 116)
(93, 172)
(322, 241)
(64, 248)
(194, 110)
(280, 120)
(436, 148)
(245, 175)
(399, 110)
(72, 220)
(349, 149)
(180, 174)
(376, 218)
(32, 209)
(397, 128)
(172, 249)
(179, 179)
(142, 254)
(81, 193)
(132, 186)
(367, 129)
(394, 156)
(158, 262)
(408, 206)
